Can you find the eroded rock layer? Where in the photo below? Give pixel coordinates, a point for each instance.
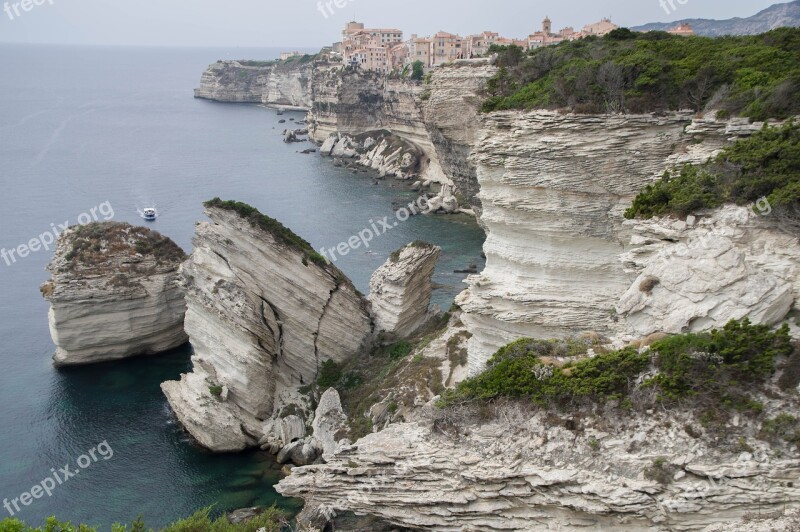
(733, 263)
(263, 314)
(114, 294)
(272, 83)
(400, 290)
(438, 116)
(527, 473)
(554, 189)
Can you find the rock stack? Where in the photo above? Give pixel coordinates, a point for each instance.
(400, 290)
(113, 294)
(265, 311)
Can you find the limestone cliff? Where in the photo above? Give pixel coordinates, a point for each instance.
(534, 471)
(234, 82)
(400, 290)
(450, 111)
(279, 83)
(264, 312)
(554, 189)
(113, 294)
(731, 264)
(438, 117)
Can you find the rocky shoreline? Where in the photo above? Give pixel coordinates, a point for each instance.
(345, 388)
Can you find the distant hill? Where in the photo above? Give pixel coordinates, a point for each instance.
(773, 17)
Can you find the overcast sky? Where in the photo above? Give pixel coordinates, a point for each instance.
(300, 23)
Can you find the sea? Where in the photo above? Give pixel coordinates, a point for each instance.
(99, 133)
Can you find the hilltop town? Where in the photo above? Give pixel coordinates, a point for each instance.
(385, 49)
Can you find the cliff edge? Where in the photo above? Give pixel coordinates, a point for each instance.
(264, 313)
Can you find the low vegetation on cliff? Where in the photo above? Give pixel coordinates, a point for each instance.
(753, 76)
(271, 520)
(716, 373)
(98, 244)
(280, 232)
(766, 165)
(387, 370)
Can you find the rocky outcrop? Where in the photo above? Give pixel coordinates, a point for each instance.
(113, 294)
(450, 111)
(381, 151)
(329, 425)
(730, 264)
(438, 117)
(400, 290)
(529, 472)
(234, 82)
(554, 189)
(289, 84)
(286, 437)
(276, 83)
(264, 312)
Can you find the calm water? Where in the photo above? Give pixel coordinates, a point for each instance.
(84, 126)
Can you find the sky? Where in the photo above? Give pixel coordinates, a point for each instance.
(309, 23)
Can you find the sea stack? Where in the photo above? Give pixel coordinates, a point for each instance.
(400, 290)
(265, 311)
(113, 294)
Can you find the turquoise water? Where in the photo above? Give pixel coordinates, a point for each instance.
(83, 126)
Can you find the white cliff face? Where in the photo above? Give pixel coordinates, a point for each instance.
(289, 85)
(113, 294)
(231, 81)
(279, 84)
(450, 112)
(525, 473)
(438, 117)
(400, 290)
(554, 189)
(262, 317)
(732, 264)
(388, 155)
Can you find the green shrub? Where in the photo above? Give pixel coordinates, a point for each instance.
(418, 71)
(399, 350)
(660, 472)
(330, 373)
(766, 165)
(272, 226)
(352, 380)
(216, 391)
(517, 371)
(715, 370)
(783, 427)
(271, 520)
(655, 71)
(714, 365)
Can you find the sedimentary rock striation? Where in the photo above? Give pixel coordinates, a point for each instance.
(527, 473)
(450, 112)
(438, 117)
(731, 264)
(400, 290)
(113, 294)
(279, 83)
(264, 312)
(233, 82)
(554, 189)
(387, 154)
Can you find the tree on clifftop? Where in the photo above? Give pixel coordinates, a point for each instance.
(418, 71)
